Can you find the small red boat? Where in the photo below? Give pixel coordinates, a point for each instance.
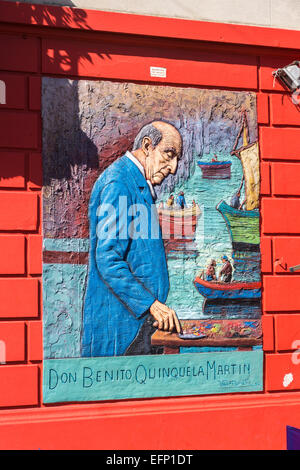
(179, 223)
(215, 170)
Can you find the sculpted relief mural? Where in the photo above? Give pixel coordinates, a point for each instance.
(151, 274)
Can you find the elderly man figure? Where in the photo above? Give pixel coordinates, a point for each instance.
(128, 280)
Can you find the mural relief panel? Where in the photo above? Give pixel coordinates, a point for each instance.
(151, 254)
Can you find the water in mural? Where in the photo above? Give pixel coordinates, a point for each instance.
(151, 241)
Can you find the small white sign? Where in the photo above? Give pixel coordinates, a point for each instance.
(158, 72)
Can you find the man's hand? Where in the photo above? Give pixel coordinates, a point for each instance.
(166, 318)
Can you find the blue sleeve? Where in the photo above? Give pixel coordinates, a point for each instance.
(112, 245)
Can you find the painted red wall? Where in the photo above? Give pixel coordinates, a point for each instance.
(55, 41)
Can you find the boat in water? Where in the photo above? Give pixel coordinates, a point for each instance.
(243, 227)
(228, 290)
(243, 224)
(179, 223)
(215, 170)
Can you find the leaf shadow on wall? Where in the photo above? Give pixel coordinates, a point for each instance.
(65, 148)
(64, 163)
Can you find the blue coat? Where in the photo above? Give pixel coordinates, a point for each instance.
(126, 274)
(181, 201)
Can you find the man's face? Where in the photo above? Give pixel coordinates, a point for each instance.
(163, 159)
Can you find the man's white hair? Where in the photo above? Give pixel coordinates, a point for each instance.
(147, 131)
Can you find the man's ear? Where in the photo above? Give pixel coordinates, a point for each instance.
(146, 143)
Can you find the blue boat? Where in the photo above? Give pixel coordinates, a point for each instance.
(231, 290)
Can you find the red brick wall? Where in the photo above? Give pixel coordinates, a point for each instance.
(28, 52)
(280, 227)
(20, 222)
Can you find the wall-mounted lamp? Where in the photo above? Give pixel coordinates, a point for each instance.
(295, 268)
(289, 75)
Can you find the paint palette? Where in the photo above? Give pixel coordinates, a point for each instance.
(193, 332)
(197, 329)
